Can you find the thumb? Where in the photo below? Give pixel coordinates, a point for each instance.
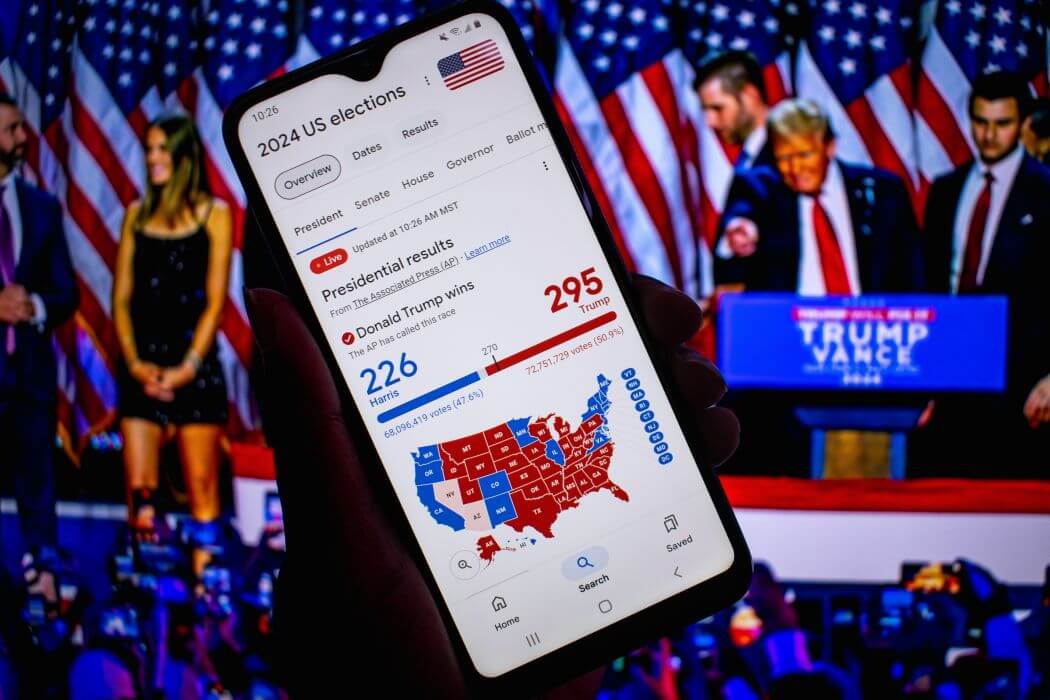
(324, 492)
(339, 538)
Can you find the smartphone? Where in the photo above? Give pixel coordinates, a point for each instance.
(425, 207)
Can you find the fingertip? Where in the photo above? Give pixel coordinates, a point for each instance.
(671, 316)
(719, 429)
(699, 381)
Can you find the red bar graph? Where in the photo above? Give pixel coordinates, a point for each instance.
(554, 340)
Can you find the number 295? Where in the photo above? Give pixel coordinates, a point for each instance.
(574, 287)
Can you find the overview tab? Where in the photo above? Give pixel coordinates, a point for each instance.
(308, 176)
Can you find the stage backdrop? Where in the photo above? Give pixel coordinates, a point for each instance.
(90, 74)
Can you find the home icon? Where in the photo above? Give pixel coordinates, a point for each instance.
(498, 603)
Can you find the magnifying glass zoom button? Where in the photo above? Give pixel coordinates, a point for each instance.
(585, 563)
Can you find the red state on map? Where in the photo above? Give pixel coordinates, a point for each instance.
(547, 467)
(591, 424)
(598, 460)
(464, 448)
(469, 490)
(562, 426)
(512, 463)
(452, 468)
(480, 465)
(523, 476)
(574, 455)
(487, 548)
(498, 434)
(597, 475)
(584, 482)
(554, 483)
(505, 449)
(537, 513)
(535, 489)
(538, 429)
(486, 468)
(534, 451)
(571, 488)
(564, 501)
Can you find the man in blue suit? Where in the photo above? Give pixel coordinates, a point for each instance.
(37, 292)
(988, 232)
(815, 225)
(732, 94)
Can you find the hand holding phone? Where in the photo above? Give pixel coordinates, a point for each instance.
(492, 360)
(349, 572)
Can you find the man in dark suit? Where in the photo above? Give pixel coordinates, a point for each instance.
(988, 232)
(37, 292)
(733, 97)
(811, 225)
(815, 225)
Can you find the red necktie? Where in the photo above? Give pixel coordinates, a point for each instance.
(975, 238)
(836, 281)
(7, 267)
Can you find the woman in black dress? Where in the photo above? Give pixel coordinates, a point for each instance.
(169, 289)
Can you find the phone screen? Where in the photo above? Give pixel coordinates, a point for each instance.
(485, 342)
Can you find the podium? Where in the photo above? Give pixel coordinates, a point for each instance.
(862, 363)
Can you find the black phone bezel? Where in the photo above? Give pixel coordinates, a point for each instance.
(364, 61)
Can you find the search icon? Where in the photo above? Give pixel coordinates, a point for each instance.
(464, 565)
(585, 563)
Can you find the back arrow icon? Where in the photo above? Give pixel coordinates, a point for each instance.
(676, 573)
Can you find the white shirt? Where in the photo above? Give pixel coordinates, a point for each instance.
(752, 147)
(1004, 172)
(836, 205)
(14, 215)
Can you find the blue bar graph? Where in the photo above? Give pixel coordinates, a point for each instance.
(432, 395)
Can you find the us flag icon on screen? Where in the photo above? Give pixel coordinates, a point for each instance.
(470, 64)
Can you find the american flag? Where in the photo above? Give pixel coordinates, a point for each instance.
(623, 91)
(471, 64)
(90, 75)
(332, 25)
(706, 29)
(854, 63)
(970, 37)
